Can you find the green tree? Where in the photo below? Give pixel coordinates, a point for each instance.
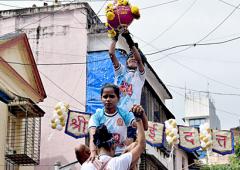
(234, 161)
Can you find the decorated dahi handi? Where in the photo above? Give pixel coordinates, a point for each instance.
(59, 117)
(120, 15)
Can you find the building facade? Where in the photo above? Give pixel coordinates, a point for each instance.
(20, 90)
(154, 95)
(200, 109)
(65, 39)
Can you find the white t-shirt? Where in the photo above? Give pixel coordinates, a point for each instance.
(130, 83)
(116, 123)
(122, 162)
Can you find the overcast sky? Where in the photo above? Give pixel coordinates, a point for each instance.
(214, 68)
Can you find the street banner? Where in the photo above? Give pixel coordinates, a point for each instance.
(77, 124)
(154, 134)
(223, 142)
(189, 138)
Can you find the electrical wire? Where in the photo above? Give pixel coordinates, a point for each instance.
(81, 12)
(58, 0)
(10, 5)
(157, 5)
(31, 23)
(228, 4)
(162, 51)
(223, 21)
(191, 45)
(148, 54)
(144, 8)
(194, 44)
(220, 110)
(58, 100)
(101, 7)
(170, 26)
(56, 64)
(203, 75)
(56, 85)
(218, 60)
(202, 91)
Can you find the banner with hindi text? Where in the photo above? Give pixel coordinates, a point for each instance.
(189, 138)
(223, 142)
(77, 124)
(155, 134)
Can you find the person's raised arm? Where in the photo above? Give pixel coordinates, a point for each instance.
(141, 141)
(134, 50)
(138, 58)
(145, 121)
(139, 112)
(113, 55)
(92, 147)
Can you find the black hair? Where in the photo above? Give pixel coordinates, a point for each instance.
(143, 57)
(103, 138)
(110, 85)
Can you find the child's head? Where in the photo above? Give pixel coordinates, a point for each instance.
(131, 61)
(104, 139)
(110, 95)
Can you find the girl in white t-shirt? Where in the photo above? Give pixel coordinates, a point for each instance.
(106, 146)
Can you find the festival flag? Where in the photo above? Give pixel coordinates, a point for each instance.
(77, 124)
(189, 138)
(154, 134)
(223, 142)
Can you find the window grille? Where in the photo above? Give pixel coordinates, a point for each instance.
(10, 166)
(23, 133)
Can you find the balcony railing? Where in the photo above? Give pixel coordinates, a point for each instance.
(23, 133)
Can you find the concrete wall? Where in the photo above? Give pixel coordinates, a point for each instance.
(56, 37)
(201, 106)
(196, 106)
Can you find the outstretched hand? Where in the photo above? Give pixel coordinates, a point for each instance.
(137, 110)
(92, 157)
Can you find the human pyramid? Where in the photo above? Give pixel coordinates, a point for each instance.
(114, 143)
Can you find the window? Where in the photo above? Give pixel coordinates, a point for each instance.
(196, 122)
(152, 105)
(10, 166)
(23, 133)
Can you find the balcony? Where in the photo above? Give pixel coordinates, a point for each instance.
(23, 133)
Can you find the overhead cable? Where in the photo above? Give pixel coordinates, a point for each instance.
(202, 91)
(170, 26)
(217, 109)
(194, 44)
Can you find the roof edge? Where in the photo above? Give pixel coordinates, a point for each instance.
(164, 86)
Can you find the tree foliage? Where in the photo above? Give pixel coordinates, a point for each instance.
(234, 163)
